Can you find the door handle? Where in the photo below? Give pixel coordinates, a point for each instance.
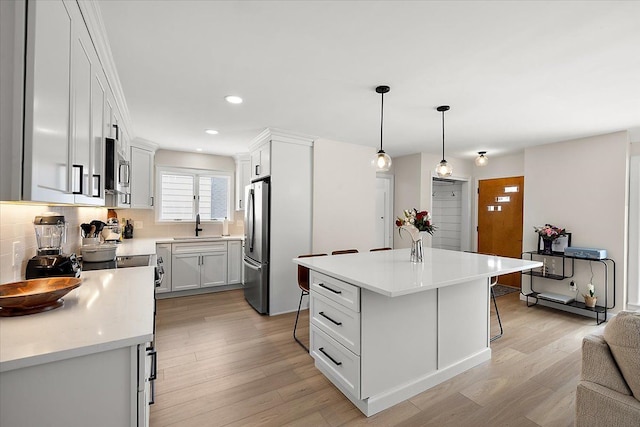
(251, 266)
(80, 169)
(96, 189)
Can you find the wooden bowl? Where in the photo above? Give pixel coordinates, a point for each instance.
(35, 295)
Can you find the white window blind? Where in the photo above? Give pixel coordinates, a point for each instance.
(177, 197)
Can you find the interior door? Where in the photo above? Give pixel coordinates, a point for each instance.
(383, 213)
(500, 203)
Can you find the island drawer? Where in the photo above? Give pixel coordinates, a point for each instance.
(337, 321)
(340, 365)
(336, 290)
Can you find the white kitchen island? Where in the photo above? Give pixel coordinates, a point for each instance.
(384, 329)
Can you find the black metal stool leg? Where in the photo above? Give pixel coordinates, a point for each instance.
(493, 297)
(302, 293)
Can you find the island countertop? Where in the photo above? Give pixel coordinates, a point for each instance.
(111, 309)
(390, 273)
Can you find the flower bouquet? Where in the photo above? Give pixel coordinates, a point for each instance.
(416, 223)
(549, 233)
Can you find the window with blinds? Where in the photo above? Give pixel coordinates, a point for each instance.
(184, 193)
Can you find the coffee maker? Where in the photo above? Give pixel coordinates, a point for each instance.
(51, 234)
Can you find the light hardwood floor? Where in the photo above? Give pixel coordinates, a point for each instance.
(222, 364)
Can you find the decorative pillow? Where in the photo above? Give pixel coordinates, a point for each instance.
(622, 334)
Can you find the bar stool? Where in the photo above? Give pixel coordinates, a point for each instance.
(303, 283)
(345, 251)
(494, 281)
(380, 249)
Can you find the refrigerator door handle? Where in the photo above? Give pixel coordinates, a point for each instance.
(251, 266)
(252, 203)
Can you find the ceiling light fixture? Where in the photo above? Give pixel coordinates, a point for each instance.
(382, 161)
(443, 169)
(198, 149)
(482, 160)
(211, 131)
(233, 99)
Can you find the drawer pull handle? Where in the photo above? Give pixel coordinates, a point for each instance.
(331, 358)
(322, 285)
(329, 318)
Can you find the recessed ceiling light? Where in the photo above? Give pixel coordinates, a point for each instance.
(198, 149)
(211, 132)
(233, 99)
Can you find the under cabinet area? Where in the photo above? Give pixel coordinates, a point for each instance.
(200, 266)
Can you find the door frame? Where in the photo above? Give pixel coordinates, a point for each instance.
(389, 214)
(466, 214)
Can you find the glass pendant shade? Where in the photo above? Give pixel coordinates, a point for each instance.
(444, 169)
(382, 162)
(482, 160)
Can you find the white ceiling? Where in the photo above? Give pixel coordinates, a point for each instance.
(515, 73)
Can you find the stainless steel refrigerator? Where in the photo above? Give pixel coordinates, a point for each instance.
(256, 246)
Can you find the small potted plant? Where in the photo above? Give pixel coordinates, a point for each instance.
(590, 298)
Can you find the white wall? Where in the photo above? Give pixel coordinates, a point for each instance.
(581, 185)
(501, 167)
(181, 159)
(344, 196)
(408, 185)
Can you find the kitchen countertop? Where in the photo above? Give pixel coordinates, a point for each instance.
(147, 245)
(110, 309)
(390, 273)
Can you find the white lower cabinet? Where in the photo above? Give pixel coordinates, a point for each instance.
(334, 310)
(234, 262)
(104, 389)
(198, 265)
(213, 269)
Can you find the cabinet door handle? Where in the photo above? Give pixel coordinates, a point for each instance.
(257, 169)
(117, 132)
(330, 319)
(240, 203)
(330, 358)
(322, 285)
(77, 183)
(96, 188)
(151, 200)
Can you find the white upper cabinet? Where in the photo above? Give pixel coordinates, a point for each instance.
(261, 161)
(141, 178)
(46, 174)
(243, 178)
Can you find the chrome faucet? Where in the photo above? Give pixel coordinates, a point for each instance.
(198, 224)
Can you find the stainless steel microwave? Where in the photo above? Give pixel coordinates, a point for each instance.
(117, 169)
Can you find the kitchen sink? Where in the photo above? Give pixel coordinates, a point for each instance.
(198, 237)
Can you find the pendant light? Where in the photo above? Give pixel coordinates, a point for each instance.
(382, 161)
(482, 160)
(443, 169)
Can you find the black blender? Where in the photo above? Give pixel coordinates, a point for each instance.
(51, 234)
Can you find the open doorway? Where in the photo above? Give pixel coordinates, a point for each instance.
(450, 210)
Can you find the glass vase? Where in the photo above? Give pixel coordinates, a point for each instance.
(416, 250)
(547, 248)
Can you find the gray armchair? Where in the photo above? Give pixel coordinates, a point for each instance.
(608, 393)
